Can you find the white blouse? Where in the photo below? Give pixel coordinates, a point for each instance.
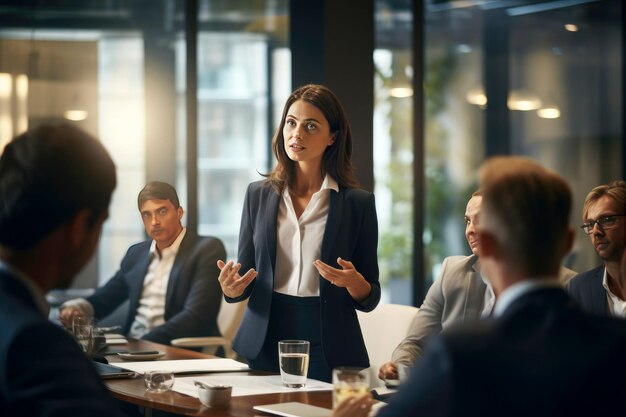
(299, 242)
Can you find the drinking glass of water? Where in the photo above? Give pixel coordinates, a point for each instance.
(349, 382)
(293, 356)
(83, 330)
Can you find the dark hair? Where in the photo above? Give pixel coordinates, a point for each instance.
(336, 160)
(47, 175)
(157, 190)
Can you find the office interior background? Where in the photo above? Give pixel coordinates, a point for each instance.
(190, 92)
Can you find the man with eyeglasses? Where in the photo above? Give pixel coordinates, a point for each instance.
(538, 354)
(602, 290)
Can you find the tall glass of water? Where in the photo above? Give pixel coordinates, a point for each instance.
(293, 356)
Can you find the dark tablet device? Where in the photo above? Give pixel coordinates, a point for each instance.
(107, 371)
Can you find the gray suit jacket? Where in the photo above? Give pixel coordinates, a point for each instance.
(457, 295)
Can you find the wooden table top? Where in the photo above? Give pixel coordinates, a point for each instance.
(133, 390)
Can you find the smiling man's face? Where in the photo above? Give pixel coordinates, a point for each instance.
(471, 221)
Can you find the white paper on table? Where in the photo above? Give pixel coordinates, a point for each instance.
(115, 339)
(246, 384)
(186, 366)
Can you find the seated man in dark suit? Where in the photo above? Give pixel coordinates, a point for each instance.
(539, 355)
(602, 290)
(170, 280)
(55, 187)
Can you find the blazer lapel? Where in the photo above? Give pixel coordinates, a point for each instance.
(271, 215)
(598, 293)
(335, 210)
(475, 294)
(183, 251)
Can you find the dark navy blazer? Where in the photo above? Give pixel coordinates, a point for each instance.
(351, 233)
(193, 293)
(587, 290)
(43, 372)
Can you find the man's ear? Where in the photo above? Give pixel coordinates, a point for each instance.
(180, 212)
(78, 227)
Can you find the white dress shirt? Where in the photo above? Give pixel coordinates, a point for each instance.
(299, 242)
(151, 307)
(617, 306)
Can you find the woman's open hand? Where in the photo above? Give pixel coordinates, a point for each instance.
(233, 285)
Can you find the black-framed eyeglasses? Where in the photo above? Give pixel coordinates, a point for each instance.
(607, 222)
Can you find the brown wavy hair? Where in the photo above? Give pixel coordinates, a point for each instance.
(336, 160)
(615, 189)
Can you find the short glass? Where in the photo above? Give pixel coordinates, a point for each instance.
(158, 381)
(293, 357)
(349, 382)
(84, 332)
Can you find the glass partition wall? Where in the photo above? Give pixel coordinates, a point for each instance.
(535, 78)
(118, 69)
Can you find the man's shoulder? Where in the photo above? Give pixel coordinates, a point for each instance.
(143, 246)
(586, 279)
(15, 314)
(21, 323)
(202, 243)
(458, 264)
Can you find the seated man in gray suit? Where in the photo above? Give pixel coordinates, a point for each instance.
(170, 280)
(602, 290)
(538, 354)
(459, 294)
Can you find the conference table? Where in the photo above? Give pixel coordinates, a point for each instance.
(133, 390)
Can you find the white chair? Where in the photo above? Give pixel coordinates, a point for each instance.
(383, 329)
(228, 320)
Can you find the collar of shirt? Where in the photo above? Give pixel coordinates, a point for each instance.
(299, 242)
(520, 288)
(617, 306)
(329, 183)
(171, 250)
(35, 291)
(490, 297)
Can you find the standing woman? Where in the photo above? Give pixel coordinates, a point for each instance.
(308, 242)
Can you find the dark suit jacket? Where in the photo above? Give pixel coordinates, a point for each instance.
(586, 288)
(42, 370)
(193, 294)
(542, 357)
(351, 233)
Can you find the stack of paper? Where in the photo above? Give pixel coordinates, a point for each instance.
(187, 366)
(115, 339)
(246, 384)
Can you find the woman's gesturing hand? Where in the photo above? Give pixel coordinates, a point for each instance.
(348, 277)
(233, 284)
